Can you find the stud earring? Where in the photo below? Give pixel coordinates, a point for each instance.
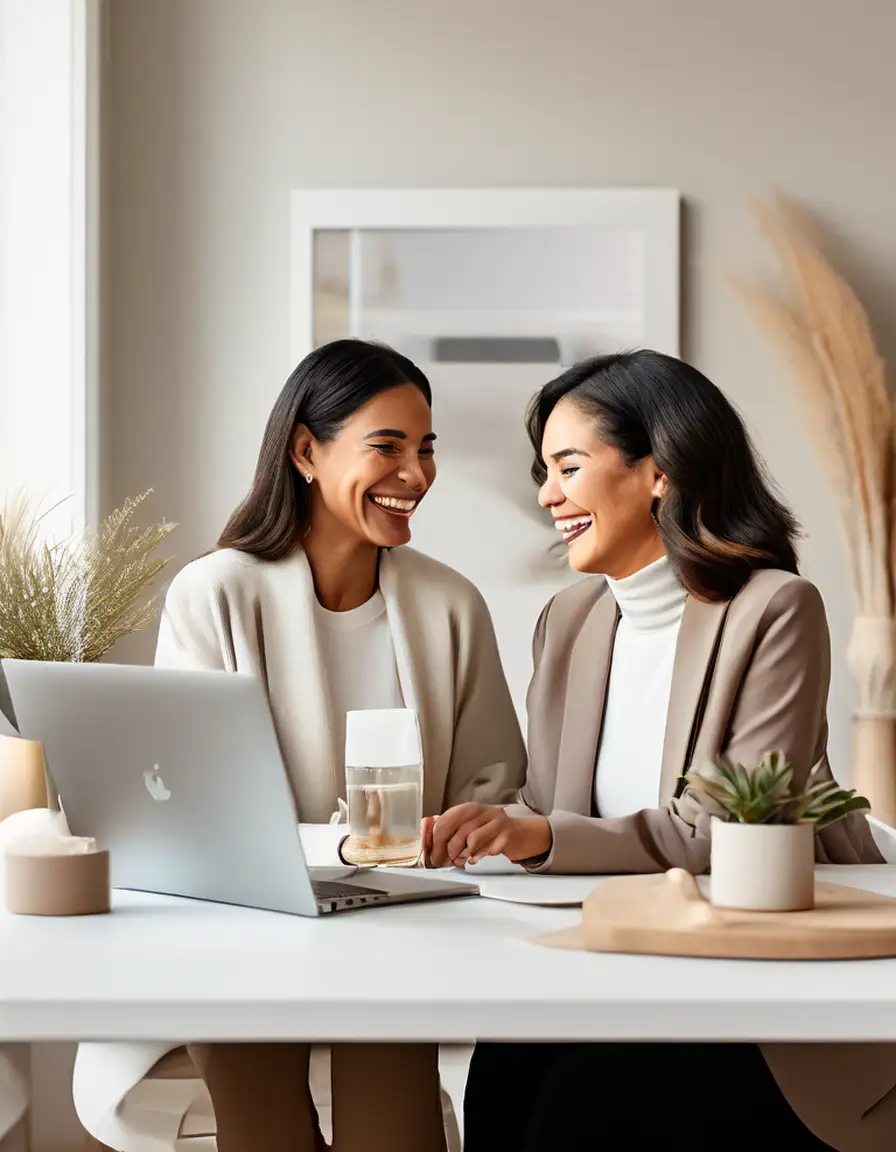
(308, 477)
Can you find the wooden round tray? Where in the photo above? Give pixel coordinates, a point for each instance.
(667, 915)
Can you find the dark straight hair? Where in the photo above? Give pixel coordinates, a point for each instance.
(327, 388)
(720, 518)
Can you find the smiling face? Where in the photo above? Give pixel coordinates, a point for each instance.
(368, 482)
(601, 506)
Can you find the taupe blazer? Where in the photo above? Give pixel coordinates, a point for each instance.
(750, 675)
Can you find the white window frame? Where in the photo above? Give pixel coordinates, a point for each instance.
(87, 41)
(63, 152)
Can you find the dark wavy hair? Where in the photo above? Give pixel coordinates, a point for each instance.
(328, 387)
(720, 518)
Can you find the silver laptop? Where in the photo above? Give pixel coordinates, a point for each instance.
(179, 775)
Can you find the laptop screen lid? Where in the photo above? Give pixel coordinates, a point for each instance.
(178, 773)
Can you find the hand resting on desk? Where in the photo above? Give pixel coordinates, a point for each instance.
(470, 832)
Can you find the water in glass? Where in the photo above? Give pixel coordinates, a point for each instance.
(385, 807)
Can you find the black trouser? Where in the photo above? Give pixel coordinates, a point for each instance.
(553, 1097)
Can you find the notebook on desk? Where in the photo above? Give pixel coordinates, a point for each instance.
(540, 891)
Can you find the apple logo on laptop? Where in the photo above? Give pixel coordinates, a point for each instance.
(155, 785)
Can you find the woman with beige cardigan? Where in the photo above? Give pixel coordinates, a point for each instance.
(313, 590)
(698, 638)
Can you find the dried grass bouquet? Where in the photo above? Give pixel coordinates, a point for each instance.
(72, 600)
(850, 419)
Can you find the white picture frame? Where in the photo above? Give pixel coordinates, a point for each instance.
(653, 212)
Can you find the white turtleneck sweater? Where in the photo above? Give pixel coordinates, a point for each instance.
(629, 759)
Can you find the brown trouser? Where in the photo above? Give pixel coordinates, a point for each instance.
(385, 1097)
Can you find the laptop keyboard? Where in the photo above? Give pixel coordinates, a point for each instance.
(333, 890)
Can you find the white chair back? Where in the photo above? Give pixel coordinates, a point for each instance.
(884, 838)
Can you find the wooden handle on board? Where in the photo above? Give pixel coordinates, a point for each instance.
(686, 887)
(686, 884)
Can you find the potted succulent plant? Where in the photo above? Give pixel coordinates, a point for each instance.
(762, 855)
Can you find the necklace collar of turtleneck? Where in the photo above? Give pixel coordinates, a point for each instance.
(651, 598)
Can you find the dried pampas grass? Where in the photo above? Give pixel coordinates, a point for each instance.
(850, 419)
(846, 407)
(71, 601)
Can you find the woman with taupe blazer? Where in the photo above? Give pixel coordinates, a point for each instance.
(699, 639)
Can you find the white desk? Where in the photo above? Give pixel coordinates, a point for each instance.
(162, 969)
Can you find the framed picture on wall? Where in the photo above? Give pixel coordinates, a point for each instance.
(492, 292)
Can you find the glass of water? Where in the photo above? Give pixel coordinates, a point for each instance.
(383, 786)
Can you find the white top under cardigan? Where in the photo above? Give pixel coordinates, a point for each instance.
(229, 610)
(359, 659)
(629, 758)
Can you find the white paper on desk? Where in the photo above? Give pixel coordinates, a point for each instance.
(495, 866)
(543, 891)
(319, 845)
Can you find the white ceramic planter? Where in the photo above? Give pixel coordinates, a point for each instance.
(762, 867)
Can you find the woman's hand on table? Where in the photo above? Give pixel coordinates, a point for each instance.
(473, 831)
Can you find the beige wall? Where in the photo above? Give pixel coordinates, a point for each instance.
(220, 107)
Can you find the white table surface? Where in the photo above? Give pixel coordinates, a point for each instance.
(164, 969)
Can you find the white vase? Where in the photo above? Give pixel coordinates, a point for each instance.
(762, 867)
